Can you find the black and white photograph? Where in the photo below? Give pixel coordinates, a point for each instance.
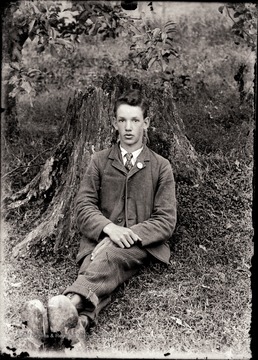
(127, 179)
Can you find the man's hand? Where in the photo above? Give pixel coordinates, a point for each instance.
(121, 236)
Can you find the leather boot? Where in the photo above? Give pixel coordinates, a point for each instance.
(65, 321)
(34, 317)
(62, 314)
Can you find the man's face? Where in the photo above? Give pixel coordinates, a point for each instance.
(130, 124)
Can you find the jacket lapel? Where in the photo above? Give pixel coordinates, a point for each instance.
(117, 163)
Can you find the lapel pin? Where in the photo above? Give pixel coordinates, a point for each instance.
(139, 165)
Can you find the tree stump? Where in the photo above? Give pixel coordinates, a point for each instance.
(87, 128)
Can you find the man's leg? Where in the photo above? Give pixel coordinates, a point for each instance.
(98, 278)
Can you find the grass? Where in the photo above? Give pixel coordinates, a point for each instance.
(166, 308)
(201, 302)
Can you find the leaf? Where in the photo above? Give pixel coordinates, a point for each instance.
(53, 50)
(40, 49)
(170, 27)
(163, 36)
(15, 65)
(179, 322)
(66, 43)
(163, 64)
(18, 284)
(73, 37)
(17, 53)
(26, 86)
(138, 36)
(89, 22)
(151, 62)
(236, 26)
(94, 30)
(14, 92)
(203, 247)
(169, 24)
(32, 36)
(84, 15)
(135, 30)
(68, 16)
(33, 72)
(174, 52)
(169, 41)
(221, 8)
(31, 102)
(146, 42)
(13, 80)
(170, 30)
(36, 10)
(206, 287)
(31, 25)
(165, 52)
(53, 33)
(156, 32)
(237, 14)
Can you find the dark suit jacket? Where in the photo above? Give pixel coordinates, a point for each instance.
(143, 200)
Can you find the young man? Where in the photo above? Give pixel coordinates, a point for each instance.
(126, 214)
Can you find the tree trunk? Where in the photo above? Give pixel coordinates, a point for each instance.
(13, 41)
(87, 128)
(11, 128)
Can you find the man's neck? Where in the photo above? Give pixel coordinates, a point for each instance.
(131, 149)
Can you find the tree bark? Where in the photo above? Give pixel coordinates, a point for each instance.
(88, 128)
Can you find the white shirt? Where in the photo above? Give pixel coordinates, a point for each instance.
(135, 154)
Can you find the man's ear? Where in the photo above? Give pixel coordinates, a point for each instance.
(114, 122)
(146, 122)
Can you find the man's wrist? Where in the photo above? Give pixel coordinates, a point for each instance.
(108, 228)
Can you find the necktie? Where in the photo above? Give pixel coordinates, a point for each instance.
(128, 164)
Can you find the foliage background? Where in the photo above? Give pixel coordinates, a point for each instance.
(200, 303)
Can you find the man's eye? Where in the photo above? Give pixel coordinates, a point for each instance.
(136, 120)
(121, 120)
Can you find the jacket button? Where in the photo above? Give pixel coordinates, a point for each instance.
(119, 220)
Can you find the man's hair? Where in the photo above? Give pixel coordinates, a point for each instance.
(133, 97)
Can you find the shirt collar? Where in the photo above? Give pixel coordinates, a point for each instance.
(135, 153)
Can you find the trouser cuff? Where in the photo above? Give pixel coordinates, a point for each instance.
(80, 287)
(93, 313)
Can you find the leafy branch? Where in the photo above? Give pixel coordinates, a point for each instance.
(153, 45)
(54, 25)
(244, 18)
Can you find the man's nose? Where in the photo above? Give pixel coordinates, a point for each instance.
(128, 125)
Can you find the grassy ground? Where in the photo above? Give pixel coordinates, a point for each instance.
(201, 302)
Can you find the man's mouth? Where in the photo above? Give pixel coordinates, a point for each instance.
(128, 136)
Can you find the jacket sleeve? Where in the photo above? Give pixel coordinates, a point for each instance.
(162, 222)
(89, 218)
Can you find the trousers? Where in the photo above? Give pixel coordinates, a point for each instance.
(98, 278)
